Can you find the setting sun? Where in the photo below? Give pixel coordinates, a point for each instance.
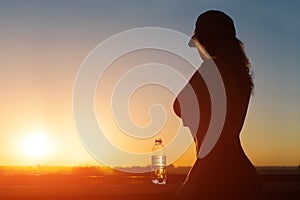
(37, 145)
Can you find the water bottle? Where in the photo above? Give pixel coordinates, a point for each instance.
(158, 163)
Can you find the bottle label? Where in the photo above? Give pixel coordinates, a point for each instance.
(159, 161)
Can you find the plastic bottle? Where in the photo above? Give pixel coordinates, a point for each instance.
(158, 163)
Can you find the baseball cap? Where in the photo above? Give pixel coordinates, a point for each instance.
(213, 21)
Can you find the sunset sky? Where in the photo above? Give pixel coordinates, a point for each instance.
(43, 44)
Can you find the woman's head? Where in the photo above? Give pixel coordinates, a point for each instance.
(214, 21)
(216, 35)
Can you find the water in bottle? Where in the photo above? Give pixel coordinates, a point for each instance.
(158, 163)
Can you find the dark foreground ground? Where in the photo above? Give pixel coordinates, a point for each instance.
(276, 185)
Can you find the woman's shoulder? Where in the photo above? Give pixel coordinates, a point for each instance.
(211, 68)
(217, 66)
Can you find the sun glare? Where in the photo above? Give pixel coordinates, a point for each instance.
(37, 145)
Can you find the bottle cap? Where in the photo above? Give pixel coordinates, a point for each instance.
(159, 140)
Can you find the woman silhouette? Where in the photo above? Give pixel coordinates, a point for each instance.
(225, 172)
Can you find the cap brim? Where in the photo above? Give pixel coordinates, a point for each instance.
(192, 43)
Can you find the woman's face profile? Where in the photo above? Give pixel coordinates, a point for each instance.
(201, 50)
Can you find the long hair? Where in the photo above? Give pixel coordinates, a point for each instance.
(230, 50)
